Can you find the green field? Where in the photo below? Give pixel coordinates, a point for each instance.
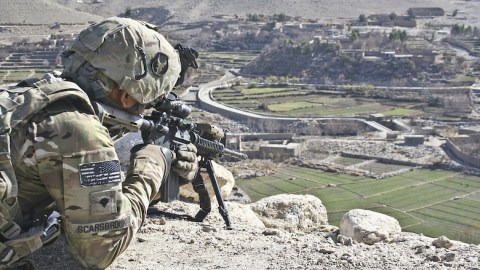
(347, 161)
(402, 112)
(302, 102)
(228, 59)
(229, 55)
(432, 202)
(14, 75)
(264, 90)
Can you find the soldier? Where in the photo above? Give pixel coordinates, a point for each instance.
(54, 148)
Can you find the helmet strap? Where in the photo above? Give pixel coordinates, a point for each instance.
(98, 90)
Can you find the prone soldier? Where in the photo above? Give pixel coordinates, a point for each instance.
(54, 149)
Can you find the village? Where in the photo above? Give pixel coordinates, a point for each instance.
(344, 108)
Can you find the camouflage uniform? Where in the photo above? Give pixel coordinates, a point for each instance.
(101, 216)
(64, 154)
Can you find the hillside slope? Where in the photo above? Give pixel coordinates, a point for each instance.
(40, 12)
(199, 10)
(165, 243)
(322, 64)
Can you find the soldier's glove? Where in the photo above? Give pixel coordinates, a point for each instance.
(186, 162)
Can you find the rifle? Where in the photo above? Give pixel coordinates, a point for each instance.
(166, 127)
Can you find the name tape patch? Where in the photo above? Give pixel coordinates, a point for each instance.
(100, 173)
(109, 225)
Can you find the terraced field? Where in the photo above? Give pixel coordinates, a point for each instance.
(13, 76)
(228, 59)
(302, 102)
(432, 202)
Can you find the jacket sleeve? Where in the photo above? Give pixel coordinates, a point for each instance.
(70, 156)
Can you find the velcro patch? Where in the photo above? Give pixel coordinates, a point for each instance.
(100, 173)
(96, 227)
(103, 202)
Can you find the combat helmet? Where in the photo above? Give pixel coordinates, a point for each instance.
(124, 51)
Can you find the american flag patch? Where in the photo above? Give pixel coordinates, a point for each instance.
(100, 173)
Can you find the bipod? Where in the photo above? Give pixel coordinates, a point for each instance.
(204, 197)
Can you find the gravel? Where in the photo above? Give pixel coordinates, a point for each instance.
(165, 243)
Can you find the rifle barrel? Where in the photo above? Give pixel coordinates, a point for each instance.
(234, 154)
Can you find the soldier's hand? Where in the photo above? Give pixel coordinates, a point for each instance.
(186, 162)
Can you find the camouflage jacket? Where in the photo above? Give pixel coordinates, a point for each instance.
(61, 153)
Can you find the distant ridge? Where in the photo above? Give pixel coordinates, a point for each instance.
(76, 11)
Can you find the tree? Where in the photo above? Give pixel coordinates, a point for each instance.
(281, 17)
(362, 18)
(392, 16)
(457, 29)
(455, 13)
(410, 13)
(128, 12)
(396, 35)
(468, 30)
(403, 36)
(253, 17)
(355, 35)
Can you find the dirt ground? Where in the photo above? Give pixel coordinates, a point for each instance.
(165, 243)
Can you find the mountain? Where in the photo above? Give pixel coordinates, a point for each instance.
(41, 12)
(49, 11)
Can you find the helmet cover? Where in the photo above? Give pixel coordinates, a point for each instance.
(131, 53)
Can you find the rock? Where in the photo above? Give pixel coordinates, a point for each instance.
(433, 258)
(241, 213)
(271, 232)
(162, 221)
(290, 212)
(208, 228)
(326, 250)
(225, 179)
(368, 227)
(442, 242)
(344, 240)
(328, 228)
(449, 257)
(238, 195)
(123, 146)
(420, 249)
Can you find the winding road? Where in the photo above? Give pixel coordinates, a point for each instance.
(206, 101)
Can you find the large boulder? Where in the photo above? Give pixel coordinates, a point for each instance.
(123, 146)
(368, 227)
(290, 212)
(225, 180)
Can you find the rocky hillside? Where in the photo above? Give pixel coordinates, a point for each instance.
(199, 10)
(39, 11)
(280, 232)
(323, 64)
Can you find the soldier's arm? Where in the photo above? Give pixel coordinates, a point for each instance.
(77, 164)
